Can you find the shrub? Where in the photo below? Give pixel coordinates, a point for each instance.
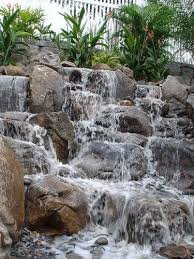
(144, 37)
(10, 39)
(106, 57)
(77, 44)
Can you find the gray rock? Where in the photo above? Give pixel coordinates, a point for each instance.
(156, 220)
(171, 88)
(47, 89)
(175, 160)
(102, 241)
(111, 160)
(66, 63)
(14, 93)
(111, 84)
(125, 119)
(34, 159)
(190, 106)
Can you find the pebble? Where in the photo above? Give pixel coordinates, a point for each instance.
(102, 241)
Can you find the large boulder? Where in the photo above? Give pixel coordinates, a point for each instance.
(47, 90)
(12, 195)
(56, 207)
(111, 160)
(60, 129)
(125, 119)
(14, 93)
(171, 88)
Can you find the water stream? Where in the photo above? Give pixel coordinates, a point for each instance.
(130, 200)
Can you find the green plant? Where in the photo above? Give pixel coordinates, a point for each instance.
(10, 40)
(106, 57)
(144, 37)
(183, 22)
(28, 20)
(77, 44)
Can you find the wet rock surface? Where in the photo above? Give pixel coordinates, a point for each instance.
(108, 160)
(14, 93)
(56, 207)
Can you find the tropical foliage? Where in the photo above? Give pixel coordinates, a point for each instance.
(144, 37)
(183, 22)
(10, 39)
(106, 57)
(77, 44)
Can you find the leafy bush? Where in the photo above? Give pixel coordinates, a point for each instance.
(183, 22)
(77, 44)
(144, 37)
(106, 57)
(10, 39)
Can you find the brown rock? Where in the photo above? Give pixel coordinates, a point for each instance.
(101, 66)
(14, 71)
(12, 195)
(60, 129)
(46, 90)
(175, 251)
(127, 71)
(56, 207)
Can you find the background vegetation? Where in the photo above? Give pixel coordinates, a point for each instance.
(141, 42)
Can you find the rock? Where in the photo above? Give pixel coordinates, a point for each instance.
(175, 109)
(102, 241)
(126, 87)
(14, 71)
(39, 53)
(175, 128)
(82, 105)
(14, 93)
(155, 220)
(34, 159)
(105, 160)
(66, 63)
(175, 251)
(46, 90)
(12, 195)
(60, 129)
(190, 106)
(111, 84)
(125, 119)
(73, 256)
(127, 71)
(56, 207)
(174, 160)
(125, 103)
(101, 66)
(171, 88)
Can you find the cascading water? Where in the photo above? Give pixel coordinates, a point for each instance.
(119, 167)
